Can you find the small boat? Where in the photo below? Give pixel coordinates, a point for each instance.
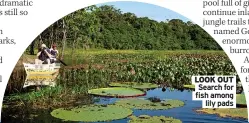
(41, 74)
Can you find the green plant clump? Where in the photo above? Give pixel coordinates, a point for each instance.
(92, 113)
(147, 104)
(117, 92)
(240, 99)
(189, 86)
(154, 119)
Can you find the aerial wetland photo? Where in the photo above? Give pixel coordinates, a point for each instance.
(118, 62)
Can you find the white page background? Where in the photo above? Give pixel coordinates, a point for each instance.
(24, 29)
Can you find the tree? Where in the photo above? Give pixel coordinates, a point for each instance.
(107, 27)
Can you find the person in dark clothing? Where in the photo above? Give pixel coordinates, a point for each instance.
(43, 55)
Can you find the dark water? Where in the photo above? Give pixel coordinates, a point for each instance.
(186, 113)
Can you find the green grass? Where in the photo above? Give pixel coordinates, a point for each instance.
(51, 97)
(156, 53)
(34, 95)
(97, 56)
(104, 51)
(81, 56)
(92, 113)
(153, 119)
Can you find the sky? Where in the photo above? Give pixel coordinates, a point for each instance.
(147, 10)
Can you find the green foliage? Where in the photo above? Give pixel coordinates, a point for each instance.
(92, 113)
(147, 104)
(226, 112)
(48, 97)
(107, 27)
(153, 119)
(116, 92)
(98, 68)
(36, 95)
(240, 99)
(172, 68)
(189, 86)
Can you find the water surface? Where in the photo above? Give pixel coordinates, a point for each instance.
(186, 113)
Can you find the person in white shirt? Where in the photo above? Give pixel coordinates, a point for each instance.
(54, 52)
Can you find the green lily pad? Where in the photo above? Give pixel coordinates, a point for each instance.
(189, 86)
(134, 85)
(240, 113)
(154, 119)
(240, 99)
(119, 92)
(147, 104)
(92, 113)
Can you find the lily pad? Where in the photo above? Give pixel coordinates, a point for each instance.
(118, 92)
(226, 112)
(154, 119)
(189, 86)
(134, 85)
(240, 99)
(147, 104)
(92, 113)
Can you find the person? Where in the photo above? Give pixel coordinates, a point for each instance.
(54, 53)
(43, 55)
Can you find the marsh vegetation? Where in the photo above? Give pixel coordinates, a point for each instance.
(114, 54)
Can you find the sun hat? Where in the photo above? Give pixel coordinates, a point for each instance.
(43, 46)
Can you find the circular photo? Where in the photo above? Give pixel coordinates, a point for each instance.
(118, 62)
